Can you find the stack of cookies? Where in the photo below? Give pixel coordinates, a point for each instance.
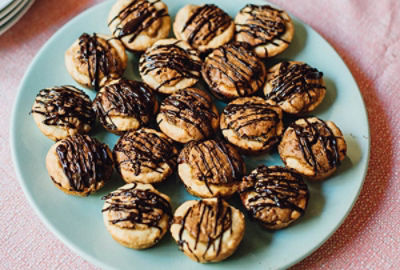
(166, 123)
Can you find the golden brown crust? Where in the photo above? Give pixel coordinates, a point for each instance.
(295, 86)
(274, 196)
(233, 71)
(313, 147)
(188, 114)
(210, 168)
(139, 23)
(268, 30)
(252, 124)
(209, 230)
(137, 215)
(145, 156)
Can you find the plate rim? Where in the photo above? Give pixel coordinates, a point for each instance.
(96, 261)
(20, 5)
(15, 18)
(5, 5)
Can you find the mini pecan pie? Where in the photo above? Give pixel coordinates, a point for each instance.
(62, 111)
(233, 71)
(267, 30)
(204, 27)
(208, 230)
(94, 60)
(137, 215)
(210, 168)
(274, 196)
(139, 23)
(313, 147)
(79, 165)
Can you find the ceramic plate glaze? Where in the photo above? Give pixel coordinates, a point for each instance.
(78, 221)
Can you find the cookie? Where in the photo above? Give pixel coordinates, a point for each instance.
(252, 124)
(188, 114)
(295, 86)
(62, 111)
(274, 196)
(267, 30)
(125, 105)
(170, 65)
(137, 215)
(94, 60)
(145, 156)
(79, 165)
(139, 23)
(313, 147)
(210, 168)
(204, 27)
(208, 230)
(233, 71)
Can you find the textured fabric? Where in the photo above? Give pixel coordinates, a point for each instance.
(366, 34)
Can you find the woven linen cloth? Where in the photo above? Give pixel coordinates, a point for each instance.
(365, 33)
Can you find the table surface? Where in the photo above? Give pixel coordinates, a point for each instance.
(367, 36)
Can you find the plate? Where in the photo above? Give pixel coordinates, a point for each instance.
(78, 221)
(10, 6)
(5, 3)
(14, 16)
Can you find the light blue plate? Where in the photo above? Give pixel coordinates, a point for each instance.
(78, 221)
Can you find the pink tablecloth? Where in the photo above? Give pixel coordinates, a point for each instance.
(366, 33)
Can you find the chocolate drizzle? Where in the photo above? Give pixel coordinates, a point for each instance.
(240, 117)
(166, 57)
(127, 98)
(265, 25)
(96, 53)
(275, 187)
(137, 17)
(64, 106)
(205, 23)
(235, 63)
(191, 106)
(133, 205)
(207, 222)
(214, 161)
(144, 149)
(85, 161)
(295, 79)
(317, 133)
